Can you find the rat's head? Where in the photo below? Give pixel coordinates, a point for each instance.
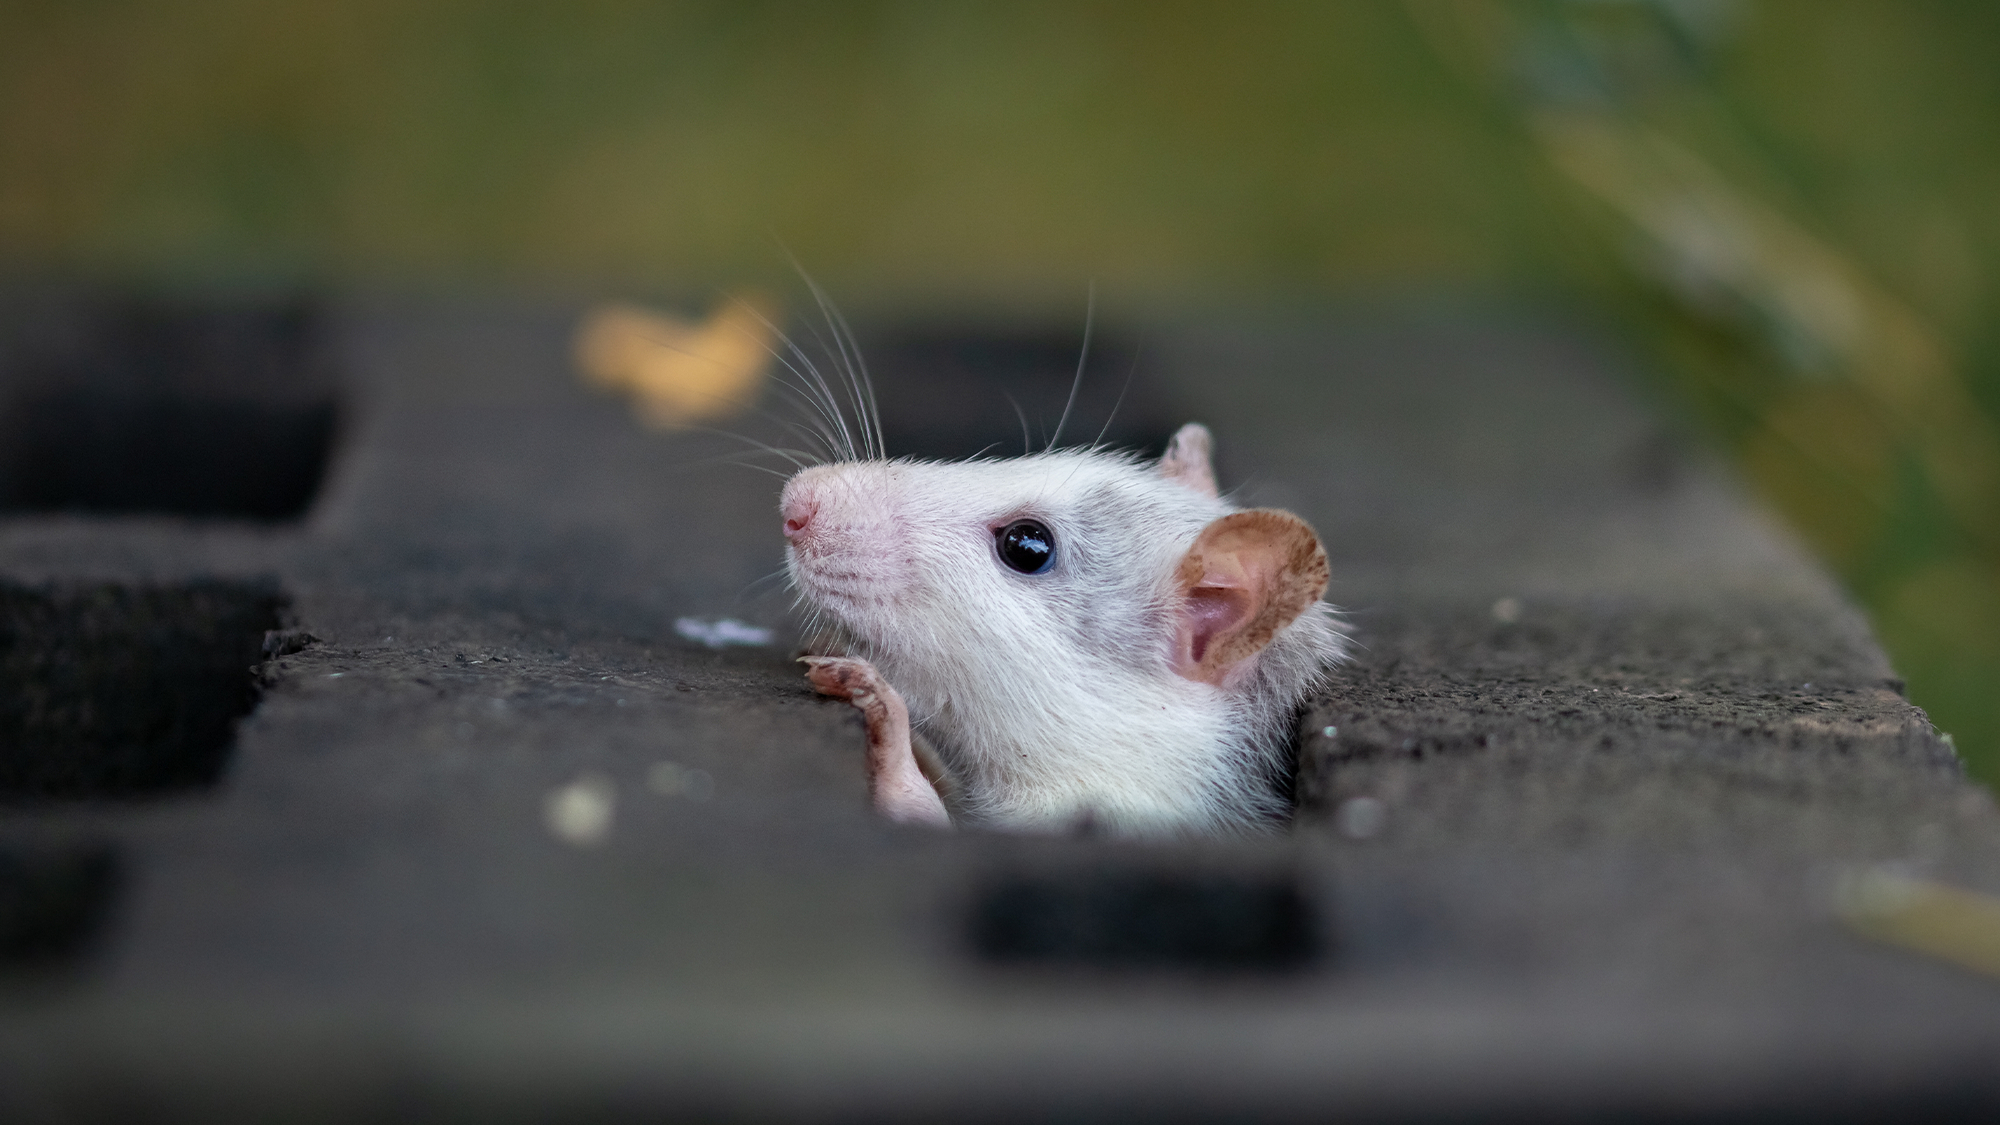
(1043, 567)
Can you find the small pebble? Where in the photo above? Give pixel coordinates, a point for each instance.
(1328, 732)
(718, 634)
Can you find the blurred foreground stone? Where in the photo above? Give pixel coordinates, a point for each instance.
(501, 841)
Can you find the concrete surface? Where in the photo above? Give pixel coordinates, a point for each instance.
(1612, 736)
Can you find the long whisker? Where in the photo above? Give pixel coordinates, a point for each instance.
(824, 420)
(734, 405)
(759, 468)
(1098, 442)
(812, 382)
(733, 460)
(1027, 443)
(813, 426)
(835, 349)
(1089, 320)
(750, 590)
(863, 420)
(847, 433)
(811, 379)
(814, 422)
(812, 430)
(873, 408)
(848, 358)
(799, 458)
(847, 351)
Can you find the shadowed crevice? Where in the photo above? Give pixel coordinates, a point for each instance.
(117, 692)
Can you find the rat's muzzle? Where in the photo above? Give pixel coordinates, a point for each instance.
(839, 523)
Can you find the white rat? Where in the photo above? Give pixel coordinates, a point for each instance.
(1081, 637)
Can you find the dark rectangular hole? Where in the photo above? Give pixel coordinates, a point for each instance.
(953, 392)
(116, 692)
(1204, 922)
(54, 904)
(146, 406)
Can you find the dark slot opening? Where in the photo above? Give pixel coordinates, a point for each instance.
(952, 393)
(1147, 920)
(181, 409)
(116, 692)
(53, 904)
(98, 452)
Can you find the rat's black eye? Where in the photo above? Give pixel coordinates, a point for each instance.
(1026, 546)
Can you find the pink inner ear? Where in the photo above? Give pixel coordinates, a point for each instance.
(1211, 612)
(1247, 576)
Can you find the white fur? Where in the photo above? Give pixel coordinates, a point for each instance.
(1051, 697)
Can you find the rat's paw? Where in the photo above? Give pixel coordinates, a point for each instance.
(843, 677)
(896, 783)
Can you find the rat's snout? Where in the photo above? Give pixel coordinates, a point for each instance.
(837, 511)
(798, 508)
(803, 505)
(847, 546)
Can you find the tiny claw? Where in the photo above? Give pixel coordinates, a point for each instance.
(841, 677)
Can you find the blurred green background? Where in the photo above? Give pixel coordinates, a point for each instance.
(1792, 209)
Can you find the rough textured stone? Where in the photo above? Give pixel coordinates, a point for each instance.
(1598, 881)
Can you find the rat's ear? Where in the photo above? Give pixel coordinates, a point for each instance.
(1248, 575)
(1186, 459)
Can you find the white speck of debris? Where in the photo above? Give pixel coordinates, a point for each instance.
(1507, 610)
(719, 634)
(1358, 818)
(671, 779)
(335, 675)
(1328, 732)
(580, 813)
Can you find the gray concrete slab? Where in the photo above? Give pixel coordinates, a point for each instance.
(1611, 806)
